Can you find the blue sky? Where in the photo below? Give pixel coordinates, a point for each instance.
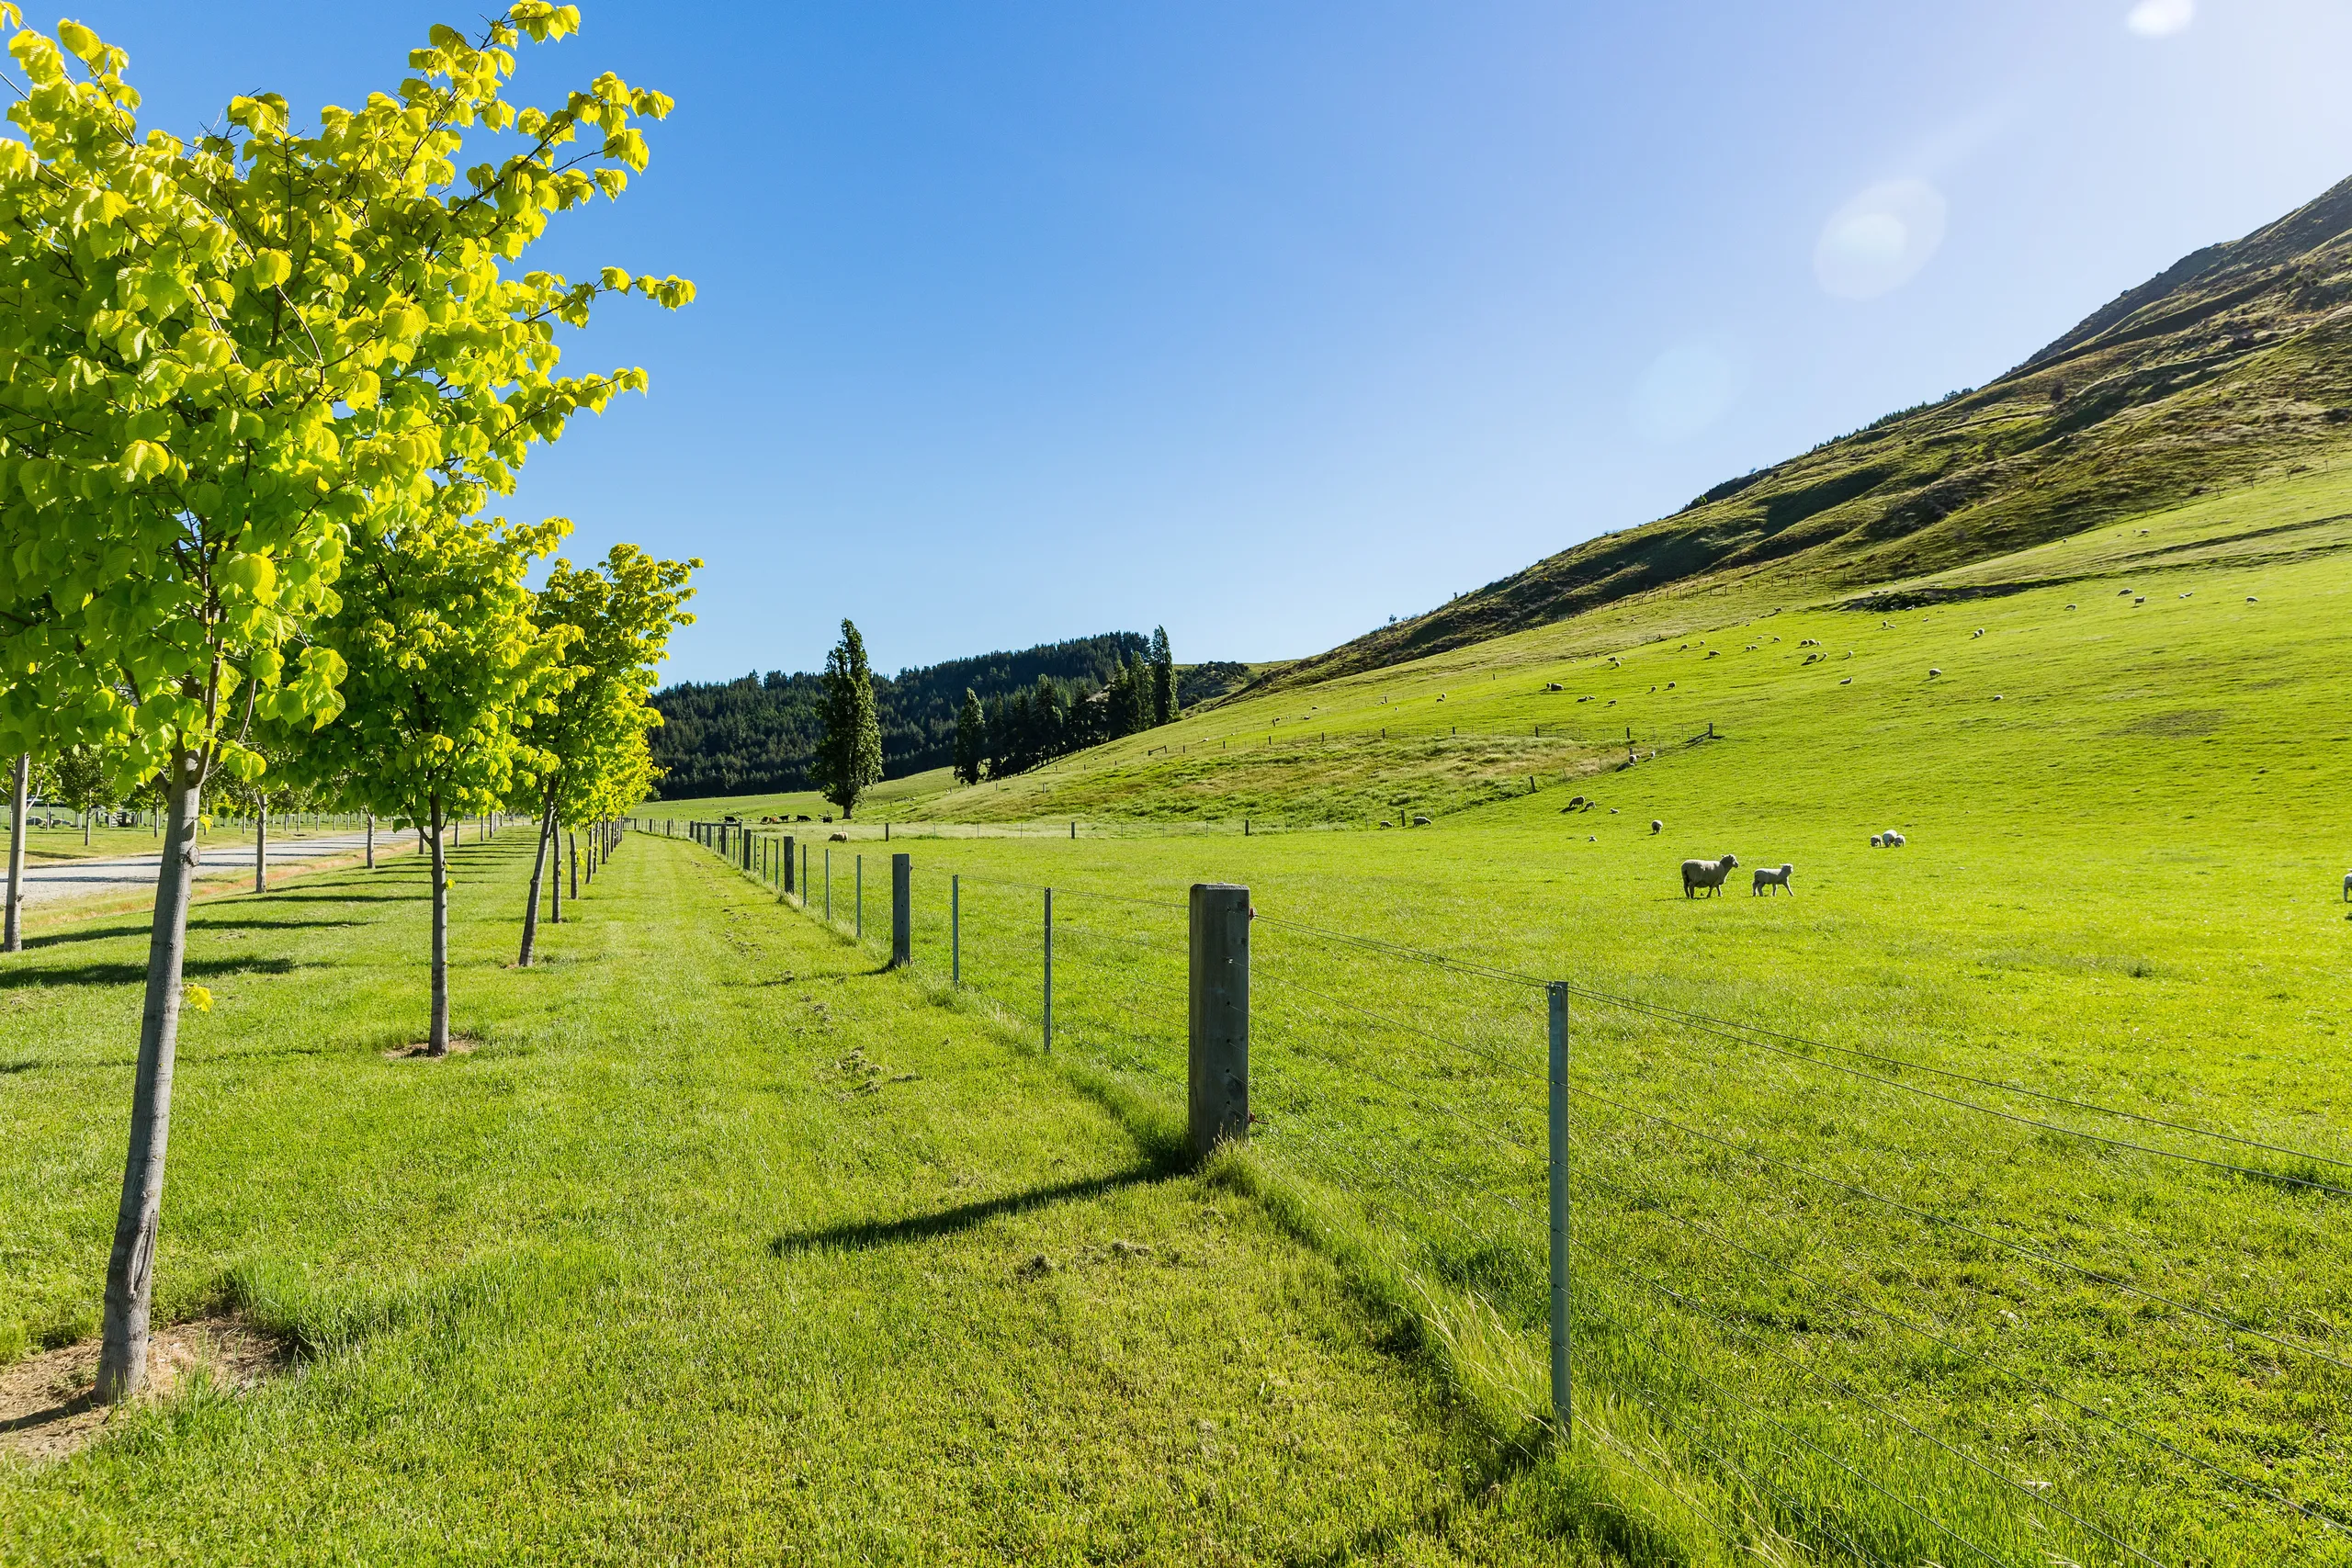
(1266, 320)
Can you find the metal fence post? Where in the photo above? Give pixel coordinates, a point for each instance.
(1049, 969)
(1217, 1021)
(956, 931)
(903, 912)
(1561, 1408)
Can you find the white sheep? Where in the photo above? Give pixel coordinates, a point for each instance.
(1766, 877)
(1706, 873)
(1877, 840)
(1895, 840)
(1933, 673)
(2347, 887)
(1657, 827)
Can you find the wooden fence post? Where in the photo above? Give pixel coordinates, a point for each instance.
(1217, 1023)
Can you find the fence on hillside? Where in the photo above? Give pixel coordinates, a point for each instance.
(1786, 1289)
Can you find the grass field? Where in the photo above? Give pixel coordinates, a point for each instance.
(2122, 886)
(722, 1246)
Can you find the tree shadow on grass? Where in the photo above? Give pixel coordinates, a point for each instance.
(136, 973)
(857, 1235)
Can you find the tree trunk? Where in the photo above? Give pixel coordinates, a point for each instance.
(438, 1043)
(555, 891)
(571, 842)
(261, 848)
(14, 941)
(130, 1268)
(371, 841)
(85, 827)
(531, 904)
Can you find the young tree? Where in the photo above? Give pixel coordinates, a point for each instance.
(20, 794)
(83, 778)
(1163, 677)
(221, 357)
(971, 738)
(849, 759)
(445, 668)
(594, 733)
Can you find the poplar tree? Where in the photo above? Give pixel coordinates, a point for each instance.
(220, 360)
(1163, 677)
(971, 738)
(849, 759)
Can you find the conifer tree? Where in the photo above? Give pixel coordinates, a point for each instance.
(848, 760)
(1163, 677)
(971, 738)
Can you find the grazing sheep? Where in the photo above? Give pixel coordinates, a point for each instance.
(2123, 594)
(840, 839)
(2347, 887)
(1590, 840)
(1670, 685)
(1875, 838)
(1933, 673)
(1894, 841)
(1766, 877)
(1977, 633)
(1706, 873)
(2252, 600)
(1575, 801)
(1657, 827)
(1846, 681)
(1997, 696)
(2141, 600)
(1420, 820)
(2070, 606)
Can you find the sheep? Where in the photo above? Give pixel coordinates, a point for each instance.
(1846, 681)
(839, 839)
(1706, 873)
(1977, 633)
(1670, 685)
(1894, 841)
(2347, 887)
(1875, 839)
(1575, 801)
(2141, 600)
(1554, 686)
(1657, 827)
(1933, 673)
(2070, 606)
(2123, 594)
(1766, 877)
(2252, 600)
(1420, 820)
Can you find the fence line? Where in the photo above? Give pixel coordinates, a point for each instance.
(1384, 1142)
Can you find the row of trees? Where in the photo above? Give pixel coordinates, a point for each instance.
(258, 389)
(1012, 732)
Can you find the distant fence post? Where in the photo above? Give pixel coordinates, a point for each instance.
(804, 876)
(829, 885)
(956, 930)
(1561, 1409)
(902, 914)
(1049, 970)
(787, 866)
(1217, 1023)
(857, 882)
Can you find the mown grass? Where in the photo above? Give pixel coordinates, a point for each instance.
(722, 1246)
(2122, 886)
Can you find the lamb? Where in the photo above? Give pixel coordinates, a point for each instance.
(1657, 827)
(1706, 873)
(1876, 840)
(1766, 877)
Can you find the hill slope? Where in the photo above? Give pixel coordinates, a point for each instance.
(2229, 367)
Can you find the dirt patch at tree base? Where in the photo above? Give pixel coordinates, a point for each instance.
(46, 1411)
(421, 1051)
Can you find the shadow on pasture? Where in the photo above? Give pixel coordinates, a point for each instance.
(346, 898)
(136, 973)
(860, 1235)
(100, 933)
(197, 925)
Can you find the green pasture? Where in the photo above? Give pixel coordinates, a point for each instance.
(722, 1246)
(2122, 886)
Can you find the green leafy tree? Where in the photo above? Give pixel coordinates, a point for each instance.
(971, 738)
(445, 667)
(1163, 677)
(221, 359)
(86, 777)
(592, 736)
(848, 760)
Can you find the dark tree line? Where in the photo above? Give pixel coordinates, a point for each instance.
(763, 732)
(1011, 732)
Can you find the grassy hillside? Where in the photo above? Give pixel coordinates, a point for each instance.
(2232, 366)
(1819, 1316)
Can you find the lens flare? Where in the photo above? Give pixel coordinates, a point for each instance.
(1880, 240)
(2160, 18)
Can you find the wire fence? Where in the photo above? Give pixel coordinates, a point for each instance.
(1815, 1294)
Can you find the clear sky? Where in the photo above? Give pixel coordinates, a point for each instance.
(1267, 320)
